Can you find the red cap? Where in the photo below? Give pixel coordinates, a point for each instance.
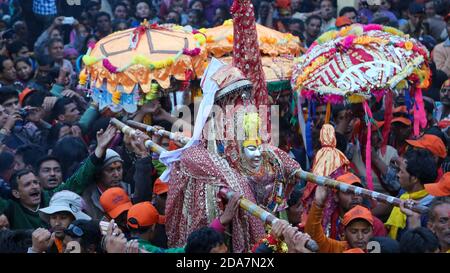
(160, 187)
(115, 201)
(432, 143)
(358, 212)
(27, 91)
(441, 188)
(143, 215)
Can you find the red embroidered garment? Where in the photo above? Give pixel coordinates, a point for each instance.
(192, 200)
(246, 55)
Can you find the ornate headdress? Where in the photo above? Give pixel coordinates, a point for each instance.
(230, 80)
(251, 130)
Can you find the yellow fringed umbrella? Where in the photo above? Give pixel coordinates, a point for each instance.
(219, 41)
(122, 68)
(277, 71)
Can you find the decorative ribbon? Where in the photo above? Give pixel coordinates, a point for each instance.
(388, 104)
(420, 118)
(301, 122)
(368, 146)
(408, 102)
(328, 113)
(308, 129)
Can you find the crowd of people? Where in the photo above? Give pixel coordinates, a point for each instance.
(72, 182)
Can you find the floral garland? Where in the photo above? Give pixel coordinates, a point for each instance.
(141, 59)
(270, 241)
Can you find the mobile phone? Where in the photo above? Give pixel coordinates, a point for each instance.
(68, 21)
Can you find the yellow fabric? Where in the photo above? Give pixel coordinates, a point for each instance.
(328, 159)
(219, 41)
(397, 219)
(251, 129)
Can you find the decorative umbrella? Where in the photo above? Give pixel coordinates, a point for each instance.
(129, 67)
(360, 61)
(219, 41)
(278, 71)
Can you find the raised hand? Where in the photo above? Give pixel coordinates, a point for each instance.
(103, 140)
(49, 102)
(137, 143)
(230, 210)
(321, 196)
(114, 240)
(42, 240)
(412, 216)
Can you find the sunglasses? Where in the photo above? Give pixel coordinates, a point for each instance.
(74, 231)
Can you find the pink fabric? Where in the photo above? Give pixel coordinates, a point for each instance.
(372, 27)
(217, 225)
(420, 118)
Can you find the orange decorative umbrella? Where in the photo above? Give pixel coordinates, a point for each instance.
(277, 71)
(219, 41)
(128, 67)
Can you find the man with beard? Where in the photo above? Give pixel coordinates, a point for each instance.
(347, 201)
(64, 208)
(22, 211)
(49, 172)
(443, 107)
